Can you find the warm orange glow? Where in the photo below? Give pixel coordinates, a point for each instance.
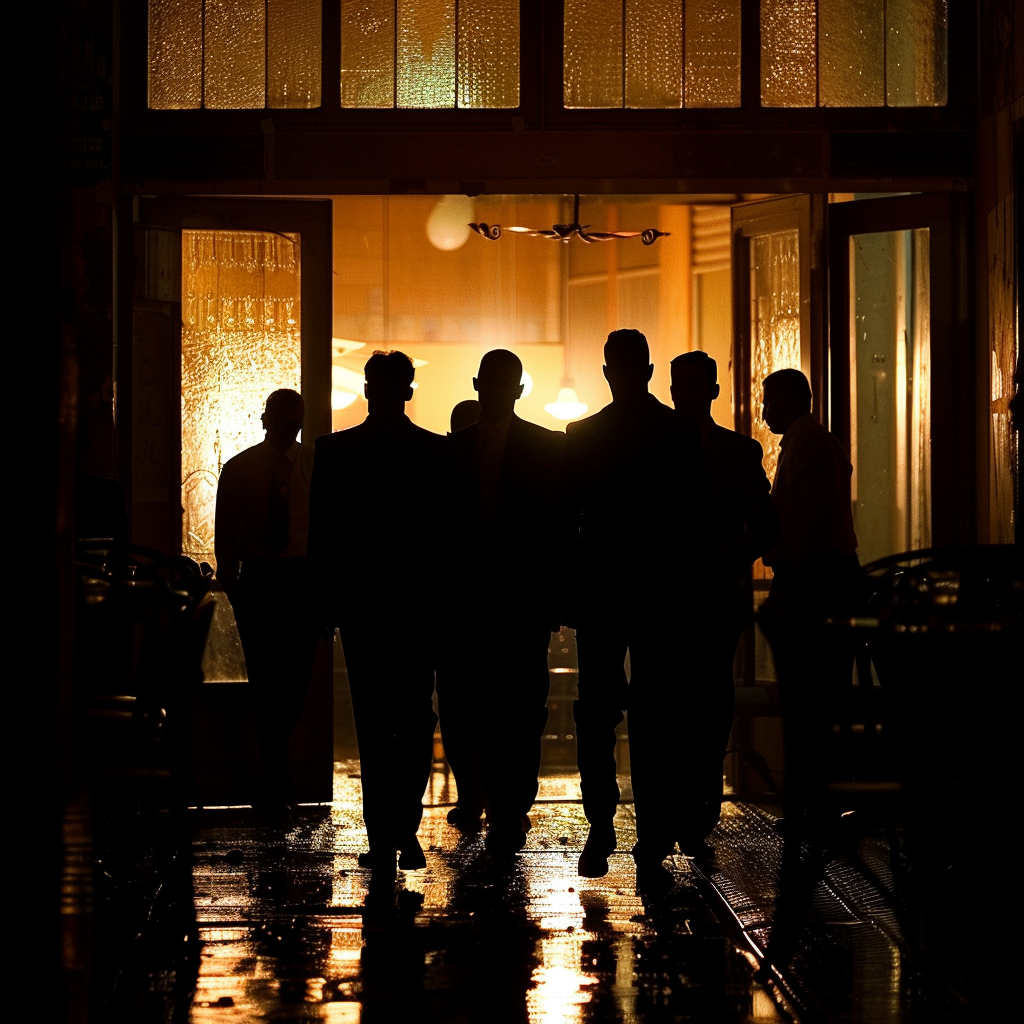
(567, 406)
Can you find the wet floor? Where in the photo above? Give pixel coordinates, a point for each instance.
(291, 929)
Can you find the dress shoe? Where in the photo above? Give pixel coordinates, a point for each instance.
(593, 862)
(699, 850)
(410, 857)
(652, 877)
(464, 817)
(378, 860)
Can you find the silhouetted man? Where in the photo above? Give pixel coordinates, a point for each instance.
(376, 522)
(634, 522)
(742, 524)
(815, 574)
(508, 471)
(457, 723)
(262, 526)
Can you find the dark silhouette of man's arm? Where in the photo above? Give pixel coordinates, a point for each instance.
(227, 520)
(760, 519)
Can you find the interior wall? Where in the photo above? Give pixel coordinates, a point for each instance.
(552, 303)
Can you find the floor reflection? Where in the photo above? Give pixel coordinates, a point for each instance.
(292, 929)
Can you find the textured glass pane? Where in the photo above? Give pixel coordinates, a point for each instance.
(592, 57)
(851, 63)
(788, 53)
(774, 324)
(239, 342)
(712, 53)
(890, 387)
(917, 53)
(234, 54)
(489, 53)
(426, 53)
(654, 53)
(293, 53)
(367, 53)
(175, 54)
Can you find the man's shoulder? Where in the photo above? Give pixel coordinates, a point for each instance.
(736, 443)
(536, 433)
(246, 457)
(427, 438)
(592, 425)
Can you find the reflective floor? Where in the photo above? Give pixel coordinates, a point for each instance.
(291, 929)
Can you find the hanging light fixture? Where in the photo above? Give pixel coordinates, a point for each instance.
(564, 232)
(448, 225)
(567, 406)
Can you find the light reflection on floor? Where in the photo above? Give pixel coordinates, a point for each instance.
(292, 930)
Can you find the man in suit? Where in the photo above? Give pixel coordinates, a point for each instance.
(508, 473)
(743, 525)
(375, 544)
(633, 486)
(262, 523)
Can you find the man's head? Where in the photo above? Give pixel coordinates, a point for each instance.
(498, 383)
(389, 377)
(465, 414)
(694, 384)
(627, 363)
(787, 397)
(282, 417)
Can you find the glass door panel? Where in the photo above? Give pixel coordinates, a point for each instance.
(890, 390)
(774, 324)
(901, 338)
(240, 340)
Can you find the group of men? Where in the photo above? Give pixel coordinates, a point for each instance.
(432, 556)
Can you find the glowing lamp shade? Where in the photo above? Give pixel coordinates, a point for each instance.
(527, 382)
(448, 225)
(567, 406)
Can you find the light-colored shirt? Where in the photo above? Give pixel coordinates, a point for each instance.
(811, 492)
(243, 524)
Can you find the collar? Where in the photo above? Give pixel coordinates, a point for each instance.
(291, 453)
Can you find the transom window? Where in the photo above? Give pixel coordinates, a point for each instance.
(639, 54)
(686, 53)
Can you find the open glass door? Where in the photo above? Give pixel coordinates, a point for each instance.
(902, 370)
(779, 298)
(232, 302)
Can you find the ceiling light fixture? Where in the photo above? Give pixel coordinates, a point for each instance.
(563, 232)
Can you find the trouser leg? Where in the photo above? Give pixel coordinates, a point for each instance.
(392, 686)
(598, 711)
(461, 729)
(279, 644)
(514, 707)
(653, 742)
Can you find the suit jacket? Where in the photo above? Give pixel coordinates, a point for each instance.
(520, 538)
(742, 513)
(378, 520)
(634, 501)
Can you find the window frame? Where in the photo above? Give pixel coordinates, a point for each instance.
(541, 90)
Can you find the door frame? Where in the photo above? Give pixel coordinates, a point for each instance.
(954, 433)
(158, 286)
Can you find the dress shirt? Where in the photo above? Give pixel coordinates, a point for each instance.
(244, 501)
(811, 492)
